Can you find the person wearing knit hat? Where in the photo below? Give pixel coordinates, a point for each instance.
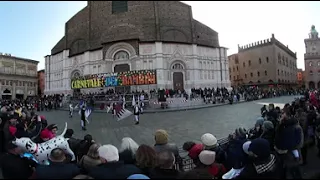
(108, 153)
(210, 143)
(161, 137)
(209, 140)
(241, 133)
(111, 167)
(161, 144)
(263, 164)
(268, 133)
(260, 148)
(207, 157)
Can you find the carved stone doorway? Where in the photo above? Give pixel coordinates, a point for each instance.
(178, 81)
(122, 68)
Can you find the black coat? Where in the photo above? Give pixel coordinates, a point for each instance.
(163, 173)
(263, 169)
(15, 167)
(113, 170)
(127, 157)
(57, 171)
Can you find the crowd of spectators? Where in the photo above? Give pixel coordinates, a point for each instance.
(276, 147)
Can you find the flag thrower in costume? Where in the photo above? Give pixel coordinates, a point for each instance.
(123, 102)
(121, 112)
(133, 101)
(109, 108)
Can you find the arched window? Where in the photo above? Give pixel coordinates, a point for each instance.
(177, 66)
(258, 73)
(265, 73)
(310, 64)
(122, 55)
(311, 73)
(75, 74)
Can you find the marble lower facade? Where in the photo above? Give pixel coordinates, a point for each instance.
(178, 66)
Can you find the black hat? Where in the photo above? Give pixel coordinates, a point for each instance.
(10, 145)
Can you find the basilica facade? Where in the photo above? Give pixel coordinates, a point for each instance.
(133, 36)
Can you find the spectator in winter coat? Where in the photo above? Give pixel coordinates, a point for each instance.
(262, 164)
(73, 142)
(257, 131)
(207, 159)
(146, 158)
(165, 166)
(193, 150)
(268, 133)
(111, 167)
(128, 150)
(90, 160)
(289, 138)
(57, 169)
(161, 144)
(196, 174)
(13, 166)
(84, 146)
(210, 142)
(236, 157)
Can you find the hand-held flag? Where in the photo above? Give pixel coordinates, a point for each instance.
(121, 112)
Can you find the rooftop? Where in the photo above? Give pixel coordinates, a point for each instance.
(6, 55)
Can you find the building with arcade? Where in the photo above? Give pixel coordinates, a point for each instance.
(138, 44)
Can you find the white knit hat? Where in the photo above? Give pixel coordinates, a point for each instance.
(208, 139)
(246, 146)
(207, 157)
(109, 153)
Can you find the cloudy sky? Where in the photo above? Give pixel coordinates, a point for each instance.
(31, 29)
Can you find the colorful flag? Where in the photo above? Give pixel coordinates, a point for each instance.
(121, 112)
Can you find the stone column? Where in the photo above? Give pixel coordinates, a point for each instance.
(36, 93)
(14, 89)
(25, 90)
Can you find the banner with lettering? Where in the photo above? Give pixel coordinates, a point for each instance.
(129, 78)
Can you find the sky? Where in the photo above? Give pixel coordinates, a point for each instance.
(30, 29)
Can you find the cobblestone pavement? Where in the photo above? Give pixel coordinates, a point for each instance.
(181, 126)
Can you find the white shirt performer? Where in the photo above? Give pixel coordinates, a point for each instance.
(141, 103)
(70, 110)
(136, 113)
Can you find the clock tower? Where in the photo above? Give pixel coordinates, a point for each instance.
(312, 59)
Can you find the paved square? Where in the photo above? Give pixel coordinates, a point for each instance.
(181, 126)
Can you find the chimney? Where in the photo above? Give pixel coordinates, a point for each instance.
(272, 35)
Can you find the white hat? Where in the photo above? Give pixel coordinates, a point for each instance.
(109, 153)
(207, 157)
(246, 146)
(209, 139)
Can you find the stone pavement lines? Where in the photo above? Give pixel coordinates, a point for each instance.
(168, 109)
(181, 126)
